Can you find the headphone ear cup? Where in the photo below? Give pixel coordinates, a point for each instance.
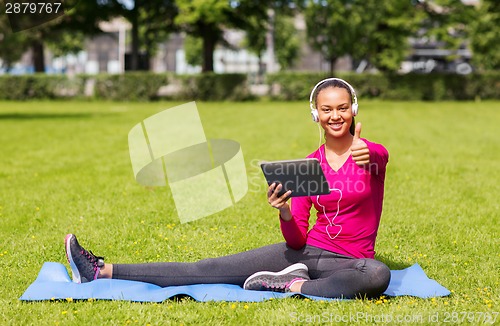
(315, 115)
(355, 109)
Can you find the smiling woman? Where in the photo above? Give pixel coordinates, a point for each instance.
(334, 259)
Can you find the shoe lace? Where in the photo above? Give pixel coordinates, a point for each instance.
(96, 261)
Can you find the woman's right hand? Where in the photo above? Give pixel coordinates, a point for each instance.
(279, 202)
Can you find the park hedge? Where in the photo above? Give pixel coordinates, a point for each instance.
(40, 86)
(426, 87)
(146, 86)
(213, 87)
(132, 86)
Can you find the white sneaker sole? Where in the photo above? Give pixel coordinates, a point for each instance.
(74, 270)
(289, 269)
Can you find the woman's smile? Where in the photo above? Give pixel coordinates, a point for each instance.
(336, 126)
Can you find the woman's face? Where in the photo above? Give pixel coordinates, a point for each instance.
(334, 110)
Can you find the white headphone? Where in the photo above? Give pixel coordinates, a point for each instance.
(314, 111)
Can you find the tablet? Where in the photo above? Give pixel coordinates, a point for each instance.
(303, 176)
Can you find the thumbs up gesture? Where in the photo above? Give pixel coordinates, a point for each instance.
(359, 149)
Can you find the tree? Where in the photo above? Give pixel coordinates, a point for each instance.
(207, 19)
(152, 21)
(62, 32)
(376, 31)
(286, 41)
(157, 23)
(390, 23)
(485, 37)
(255, 40)
(335, 28)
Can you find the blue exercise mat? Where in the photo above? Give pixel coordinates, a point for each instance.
(53, 283)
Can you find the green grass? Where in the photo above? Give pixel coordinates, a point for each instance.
(64, 167)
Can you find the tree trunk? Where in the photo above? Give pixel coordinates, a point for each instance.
(209, 41)
(261, 70)
(134, 58)
(147, 58)
(38, 55)
(270, 43)
(333, 61)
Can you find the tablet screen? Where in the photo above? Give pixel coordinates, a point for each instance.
(303, 176)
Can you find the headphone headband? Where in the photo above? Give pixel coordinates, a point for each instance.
(354, 98)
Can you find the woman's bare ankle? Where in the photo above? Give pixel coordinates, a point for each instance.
(297, 286)
(106, 271)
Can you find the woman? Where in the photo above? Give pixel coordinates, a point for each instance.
(334, 259)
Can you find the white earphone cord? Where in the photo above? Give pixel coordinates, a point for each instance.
(330, 222)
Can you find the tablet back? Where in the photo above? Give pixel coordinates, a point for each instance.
(303, 176)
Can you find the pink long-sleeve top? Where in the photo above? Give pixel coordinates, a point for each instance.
(348, 218)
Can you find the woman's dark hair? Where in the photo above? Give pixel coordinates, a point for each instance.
(335, 84)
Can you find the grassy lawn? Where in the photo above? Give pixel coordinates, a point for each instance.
(65, 167)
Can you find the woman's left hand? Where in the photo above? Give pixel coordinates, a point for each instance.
(359, 149)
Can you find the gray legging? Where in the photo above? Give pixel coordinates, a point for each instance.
(332, 275)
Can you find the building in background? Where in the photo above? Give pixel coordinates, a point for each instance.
(108, 53)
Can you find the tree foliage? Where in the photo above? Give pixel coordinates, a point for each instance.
(286, 40)
(374, 30)
(193, 49)
(447, 21)
(485, 38)
(379, 31)
(12, 45)
(446, 25)
(335, 28)
(255, 37)
(389, 26)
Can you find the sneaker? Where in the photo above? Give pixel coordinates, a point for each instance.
(279, 281)
(85, 266)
